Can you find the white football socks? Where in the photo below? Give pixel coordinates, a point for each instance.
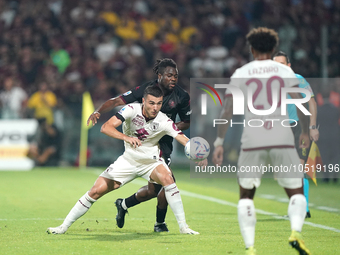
(297, 211)
(124, 205)
(175, 201)
(80, 208)
(247, 220)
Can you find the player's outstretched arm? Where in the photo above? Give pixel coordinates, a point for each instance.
(182, 139)
(109, 128)
(226, 113)
(304, 141)
(313, 132)
(105, 107)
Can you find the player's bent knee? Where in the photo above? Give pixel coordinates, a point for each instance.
(167, 180)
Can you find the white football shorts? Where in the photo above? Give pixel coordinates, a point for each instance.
(284, 164)
(124, 170)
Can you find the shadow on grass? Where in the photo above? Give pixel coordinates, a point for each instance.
(113, 235)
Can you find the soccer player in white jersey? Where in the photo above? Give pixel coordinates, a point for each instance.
(269, 141)
(143, 126)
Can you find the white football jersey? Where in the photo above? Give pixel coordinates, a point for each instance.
(148, 131)
(265, 78)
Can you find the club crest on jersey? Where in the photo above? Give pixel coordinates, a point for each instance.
(138, 120)
(172, 103)
(154, 126)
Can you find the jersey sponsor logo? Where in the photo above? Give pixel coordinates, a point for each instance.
(138, 120)
(154, 126)
(127, 93)
(141, 134)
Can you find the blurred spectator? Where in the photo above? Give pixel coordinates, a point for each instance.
(329, 141)
(74, 99)
(217, 55)
(113, 44)
(82, 10)
(42, 103)
(8, 13)
(130, 48)
(45, 150)
(55, 6)
(28, 66)
(106, 48)
(126, 29)
(12, 100)
(60, 57)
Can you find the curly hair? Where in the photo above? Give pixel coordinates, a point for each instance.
(263, 39)
(161, 64)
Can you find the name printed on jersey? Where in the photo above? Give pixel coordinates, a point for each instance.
(263, 70)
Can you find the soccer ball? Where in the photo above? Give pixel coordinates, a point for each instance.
(197, 149)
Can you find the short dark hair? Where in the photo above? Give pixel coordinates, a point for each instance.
(263, 39)
(281, 54)
(161, 64)
(153, 90)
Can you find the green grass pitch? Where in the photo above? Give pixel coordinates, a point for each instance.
(32, 201)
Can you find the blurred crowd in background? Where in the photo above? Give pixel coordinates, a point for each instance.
(52, 51)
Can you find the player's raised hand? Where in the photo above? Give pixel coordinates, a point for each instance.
(93, 117)
(218, 155)
(134, 141)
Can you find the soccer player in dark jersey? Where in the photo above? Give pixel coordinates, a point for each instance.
(175, 101)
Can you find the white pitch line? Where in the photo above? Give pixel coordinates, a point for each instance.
(210, 199)
(98, 171)
(223, 202)
(48, 219)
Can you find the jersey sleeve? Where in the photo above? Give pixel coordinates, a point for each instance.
(233, 82)
(171, 129)
(290, 78)
(304, 85)
(134, 95)
(126, 112)
(184, 110)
